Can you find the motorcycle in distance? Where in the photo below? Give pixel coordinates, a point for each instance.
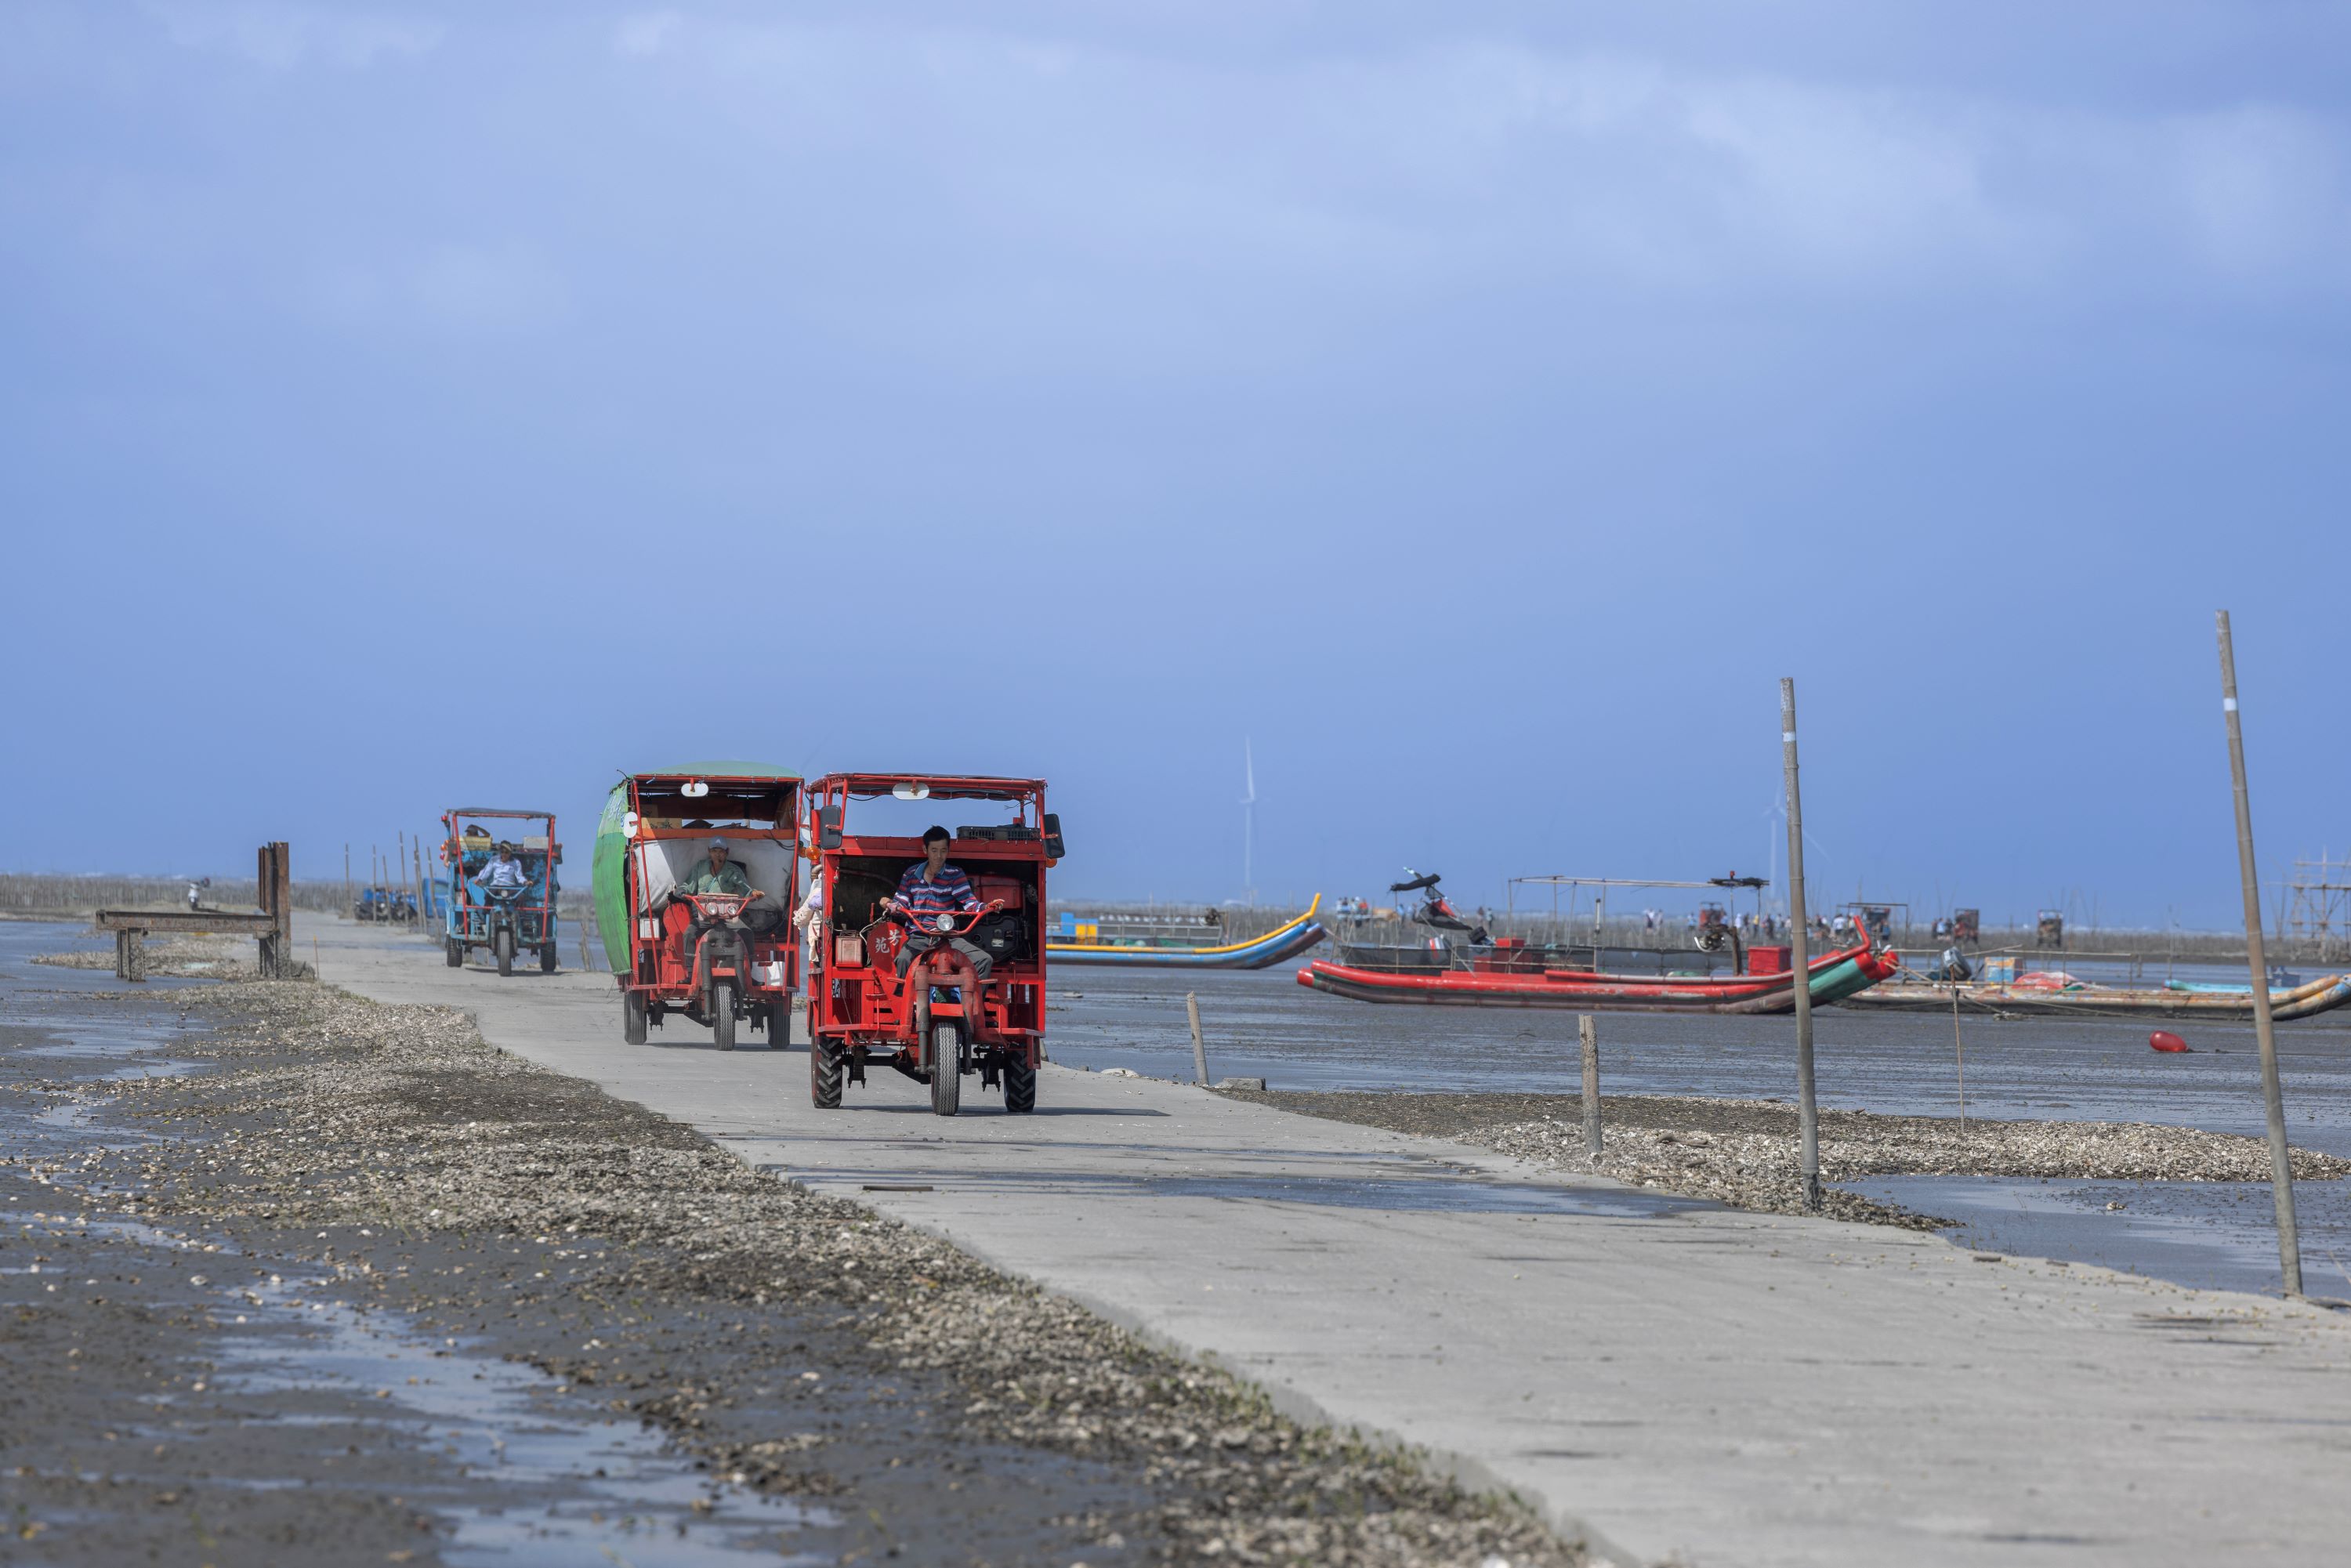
(502, 905)
(951, 1053)
(722, 957)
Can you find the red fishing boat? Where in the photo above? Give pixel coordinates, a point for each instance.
(1832, 976)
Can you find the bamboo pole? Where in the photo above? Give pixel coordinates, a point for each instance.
(1808, 1115)
(2264, 1032)
(1199, 1048)
(1587, 1030)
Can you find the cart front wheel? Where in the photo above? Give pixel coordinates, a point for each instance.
(455, 953)
(722, 1013)
(946, 1071)
(546, 959)
(824, 1074)
(1020, 1087)
(633, 1017)
(504, 944)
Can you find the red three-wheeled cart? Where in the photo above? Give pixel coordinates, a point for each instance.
(889, 989)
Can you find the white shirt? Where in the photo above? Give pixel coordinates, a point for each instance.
(504, 874)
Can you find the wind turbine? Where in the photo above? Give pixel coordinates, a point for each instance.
(1249, 823)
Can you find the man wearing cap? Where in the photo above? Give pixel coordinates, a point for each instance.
(720, 875)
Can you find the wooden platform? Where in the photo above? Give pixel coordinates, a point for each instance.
(272, 925)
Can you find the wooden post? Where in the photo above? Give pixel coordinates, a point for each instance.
(347, 881)
(275, 893)
(1959, 1051)
(1808, 1115)
(129, 955)
(2264, 1033)
(265, 886)
(1199, 1049)
(1587, 1030)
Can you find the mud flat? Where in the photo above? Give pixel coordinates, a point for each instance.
(312, 1269)
(1743, 1153)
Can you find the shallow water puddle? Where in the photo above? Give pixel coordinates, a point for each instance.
(578, 1489)
(2211, 1235)
(534, 1477)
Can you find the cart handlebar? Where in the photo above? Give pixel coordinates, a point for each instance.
(943, 921)
(721, 905)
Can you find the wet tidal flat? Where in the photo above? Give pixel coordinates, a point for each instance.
(289, 1277)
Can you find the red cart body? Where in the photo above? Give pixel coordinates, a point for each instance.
(716, 958)
(930, 1021)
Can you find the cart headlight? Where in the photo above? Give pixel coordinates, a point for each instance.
(944, 923)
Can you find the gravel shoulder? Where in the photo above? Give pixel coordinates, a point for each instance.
(1743, 1153)
(931, 1409)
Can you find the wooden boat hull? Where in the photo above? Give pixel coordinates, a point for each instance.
(1833, 977)
(1284, 941)
(2318, 996)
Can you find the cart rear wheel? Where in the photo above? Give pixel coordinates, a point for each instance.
(824, 1075)
(633, 1017)
(722, 1013)
(1020, 1087)
(946, 1071)
(546, 959)
(504, 944)
(456, 954)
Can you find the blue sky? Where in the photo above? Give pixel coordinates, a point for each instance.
(1476, 408)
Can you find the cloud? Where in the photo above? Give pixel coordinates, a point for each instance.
(458, 289)
(644, 33)
(285, 36)
(1469, 161)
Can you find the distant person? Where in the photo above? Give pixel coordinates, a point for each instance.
(809, 919)
(504, 870)
(931, 888)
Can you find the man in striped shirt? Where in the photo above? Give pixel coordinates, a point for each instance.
(932, 889)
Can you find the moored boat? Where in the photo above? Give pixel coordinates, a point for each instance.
(1832, 977)
(1284, 941)
(2319, 996)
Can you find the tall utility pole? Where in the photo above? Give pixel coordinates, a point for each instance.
(1248, 822)
(1807, 1109)
(2272, 1096)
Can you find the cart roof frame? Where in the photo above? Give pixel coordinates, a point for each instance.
(941, 786)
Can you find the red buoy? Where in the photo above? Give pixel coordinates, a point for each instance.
(2163, 1040)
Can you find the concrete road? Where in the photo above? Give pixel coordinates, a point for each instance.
(1675, 1379)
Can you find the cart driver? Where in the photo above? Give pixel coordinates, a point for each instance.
(504, 870)
(719, 876)
(933, 888)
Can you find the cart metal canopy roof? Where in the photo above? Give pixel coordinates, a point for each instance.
(944, 786)
(727, 769)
